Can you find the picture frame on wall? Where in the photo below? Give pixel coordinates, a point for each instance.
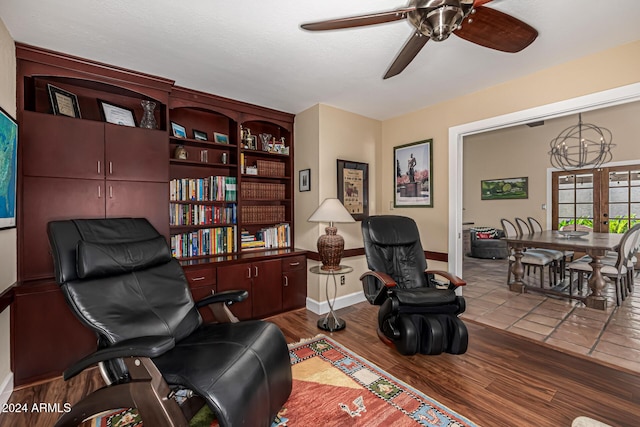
(305, 180)
(9, 167)
(504, 188)
(353, 187)
(116, 114)
(220, 138)
(413, 184)
(63, 103)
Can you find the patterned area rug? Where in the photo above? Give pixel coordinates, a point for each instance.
(333, 386)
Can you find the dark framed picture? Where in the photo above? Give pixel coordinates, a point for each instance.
(178, 130)
(305, 180)
(506, 188)
(8, 169)
(353, 188)
(200, 136)
(63, 103)
(220, 138)
(413, 185)
(117, 114)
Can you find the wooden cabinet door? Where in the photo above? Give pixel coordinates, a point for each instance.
(237, 277)
(139, 199)
(134, 154)
(294, 289)
(48, 199)
(61, 146)
(46, 336)
(266, 288)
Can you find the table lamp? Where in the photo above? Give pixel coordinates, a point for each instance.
(331, 245)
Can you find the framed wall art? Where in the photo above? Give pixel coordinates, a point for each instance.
(62, 102)
(8, 169)
(353, 188)
(116, 114)
(305, 180)
(413, 185)
(505, 188)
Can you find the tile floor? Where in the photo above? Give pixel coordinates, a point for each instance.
(612, 336)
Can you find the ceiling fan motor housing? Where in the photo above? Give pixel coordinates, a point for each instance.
(437, 19)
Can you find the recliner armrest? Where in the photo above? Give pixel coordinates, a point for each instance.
(384, 282)
(150, 347)
(453, 280)
(227, 297)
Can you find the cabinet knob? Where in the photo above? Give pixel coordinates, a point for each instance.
(248, 272)
(110, 168)
(98, 167)
(286, 281)
(293, 264)
(256, 267)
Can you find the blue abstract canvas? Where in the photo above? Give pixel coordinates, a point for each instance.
(8, 169)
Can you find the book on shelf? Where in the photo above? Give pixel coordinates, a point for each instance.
(187, 214)
(204, 242)
(212, 188)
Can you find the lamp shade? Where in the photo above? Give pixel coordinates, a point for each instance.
(331, 210)
(331, 244)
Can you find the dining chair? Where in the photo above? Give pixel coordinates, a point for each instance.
(530, 258)
(558, 256)
(618, 272)
(536, 227)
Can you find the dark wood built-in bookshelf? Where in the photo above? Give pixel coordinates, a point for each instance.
(206, 202)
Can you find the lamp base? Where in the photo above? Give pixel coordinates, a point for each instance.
(331, 324)
(330, 249)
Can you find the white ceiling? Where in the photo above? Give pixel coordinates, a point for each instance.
(255, 51)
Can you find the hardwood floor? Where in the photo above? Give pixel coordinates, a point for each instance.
(502, 380)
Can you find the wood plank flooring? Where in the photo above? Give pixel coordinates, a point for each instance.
(502, 380)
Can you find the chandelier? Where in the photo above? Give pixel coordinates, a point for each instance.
(581, 146)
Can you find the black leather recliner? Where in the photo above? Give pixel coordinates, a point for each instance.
(418, 313)
(120, 280)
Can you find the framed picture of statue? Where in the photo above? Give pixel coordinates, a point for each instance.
(413, 175)
(353, 187)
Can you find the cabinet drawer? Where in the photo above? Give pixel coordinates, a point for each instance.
(294, 263)
(201, 277)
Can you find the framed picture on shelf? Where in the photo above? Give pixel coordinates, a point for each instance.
(63, 103)
(178, 130)
(8, 169)
(353, 188)
(413, 185)
(200, 136)
(305, 180)
(116, 114)
(506, 188)
(220, 138)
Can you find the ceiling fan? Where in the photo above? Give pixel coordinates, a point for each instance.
(437, 20)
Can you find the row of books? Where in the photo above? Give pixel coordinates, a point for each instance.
(212, 188)
(208, 241)
(268, 168)
(262, 214)
(262, 191)
(182, 214)
(278, 236)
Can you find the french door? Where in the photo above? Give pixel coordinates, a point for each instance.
(603, 200)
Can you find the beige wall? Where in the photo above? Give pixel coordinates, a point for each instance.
(522, 151)
(324, 134)
(8, 252)
(609, 69)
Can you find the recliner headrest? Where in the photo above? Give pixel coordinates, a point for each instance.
(391, 230)
(102, 259)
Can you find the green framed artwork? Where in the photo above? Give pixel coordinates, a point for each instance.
(505, 188)
(8, 169)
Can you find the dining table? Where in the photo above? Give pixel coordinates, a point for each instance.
(593, 244)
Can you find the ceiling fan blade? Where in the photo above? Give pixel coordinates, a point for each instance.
(359, 21)
(497, 30)
(406, 55)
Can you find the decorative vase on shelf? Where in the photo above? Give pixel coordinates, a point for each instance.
(180, 153)
(148, 118)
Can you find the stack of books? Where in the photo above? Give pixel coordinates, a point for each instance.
(249, 241)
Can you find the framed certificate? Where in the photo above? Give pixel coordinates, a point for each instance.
(117, 115)
(63, 103)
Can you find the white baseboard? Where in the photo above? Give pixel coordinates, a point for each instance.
(6, 388)
(341, 302)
